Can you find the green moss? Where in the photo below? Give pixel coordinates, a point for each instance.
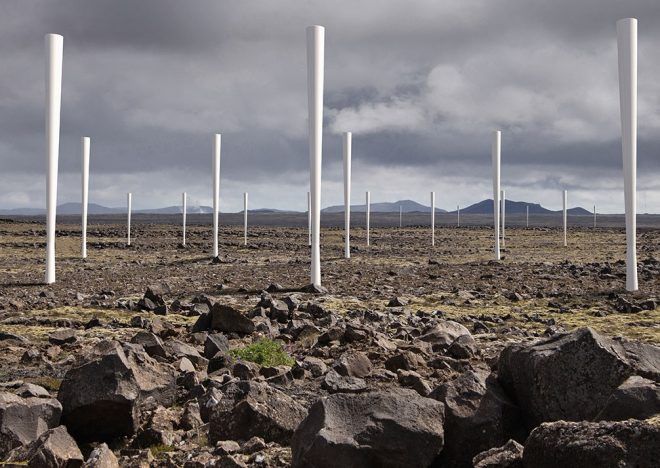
(264, 352)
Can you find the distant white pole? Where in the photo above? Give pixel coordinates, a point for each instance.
(309, 219)
(245, 215)
(348, 143)
(565, 199)
(184, 209)
(432, 219)
(527, 216)
(54, 53)
(503, 218)
(368, 204)
(85, 192)
(217, 141)
(400, 216)
(496, 149)
(458, 216)
(627, 49)
(594, 215)
(315, 72)
(129, 202)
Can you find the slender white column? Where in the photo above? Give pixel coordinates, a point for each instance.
(54, 53)
(309, 219)
(129, 203)
(527, 216)
(315, 72)
(184, 210)
(368, 205)
(503, 218)
(627, 50)
(400, 216)
(458, 216)
(565, 200)
(496, 149)
(245, 214)
(217, 142)
(348, 143)
(85, 193)
(594, 215)
(432, 219)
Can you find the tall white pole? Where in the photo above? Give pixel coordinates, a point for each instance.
(594, 215)
(184, 210)
(54, 53)
(245, 215)
(458, 216)
(432, 219)
(496, 149)
(85, 193)
(400, 216)
(217, 142)
(527, 216)
(565, 200)
(348, 147)
(315, 72)
(309, 219)
(503, 218)
(627, 48)
(129, 202)
(368, 205)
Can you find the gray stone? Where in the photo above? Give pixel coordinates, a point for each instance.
(23, 420)
(586, 444)
(397, 428)
(251, 409)
(636, 398)
(478, 416)
(507, 456)
(335, 383)
(101, 398)
(571, 376)
(227, 319)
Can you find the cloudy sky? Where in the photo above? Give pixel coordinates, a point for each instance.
(421, 84)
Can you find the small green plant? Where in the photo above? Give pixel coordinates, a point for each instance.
(264, 352)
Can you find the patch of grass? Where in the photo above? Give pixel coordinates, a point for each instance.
(159, 450)
(264, 352)
(52, 384)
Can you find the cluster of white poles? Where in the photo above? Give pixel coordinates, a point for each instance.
(627, 58)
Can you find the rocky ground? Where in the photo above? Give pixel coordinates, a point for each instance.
(154, 355)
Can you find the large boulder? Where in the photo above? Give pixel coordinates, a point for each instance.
(571, 376)
(227, 319)
(636, 398)
(54, 448)
(250, 409)
(397, 428)
(478, 416)
(594, 445)
(23, 420)
(101, 398)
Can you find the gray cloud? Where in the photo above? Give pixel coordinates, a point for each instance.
(421, 84)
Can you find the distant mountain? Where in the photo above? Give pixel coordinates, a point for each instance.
(407, 206)
(518, 207)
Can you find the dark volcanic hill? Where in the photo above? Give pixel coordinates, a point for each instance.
(407, 206)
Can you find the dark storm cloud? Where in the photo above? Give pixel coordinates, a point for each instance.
(421, 84)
